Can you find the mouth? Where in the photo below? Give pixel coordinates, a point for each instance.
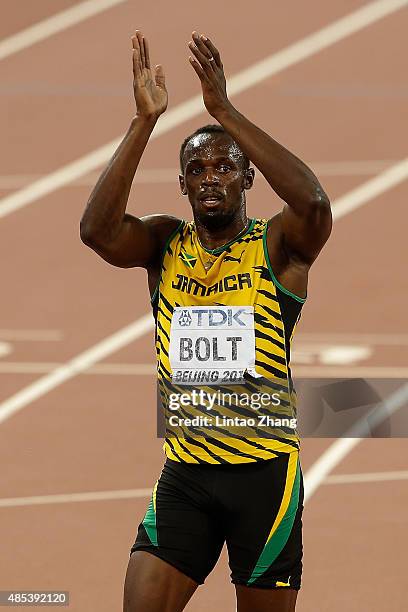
(211, 199)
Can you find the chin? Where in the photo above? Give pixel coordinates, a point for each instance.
(215, 219)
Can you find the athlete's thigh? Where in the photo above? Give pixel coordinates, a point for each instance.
(179, 527)
(264, 537)
(152, 585)
(251, 599)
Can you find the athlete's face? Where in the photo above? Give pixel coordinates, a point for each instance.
(215, 179)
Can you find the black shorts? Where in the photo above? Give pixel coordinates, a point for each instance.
(256, 508)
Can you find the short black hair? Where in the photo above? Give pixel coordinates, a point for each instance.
(210, 129)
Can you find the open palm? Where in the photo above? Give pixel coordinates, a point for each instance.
(150, 91)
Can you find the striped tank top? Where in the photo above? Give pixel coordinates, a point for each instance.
(224, 327)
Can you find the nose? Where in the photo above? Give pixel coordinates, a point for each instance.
(210, 177)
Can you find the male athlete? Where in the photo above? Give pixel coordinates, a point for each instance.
(246, 279)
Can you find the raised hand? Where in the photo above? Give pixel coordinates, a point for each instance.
(150, 93)
(208, 66)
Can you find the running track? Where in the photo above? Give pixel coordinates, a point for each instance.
(343, 109)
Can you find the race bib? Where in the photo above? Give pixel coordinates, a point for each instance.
(212, 344)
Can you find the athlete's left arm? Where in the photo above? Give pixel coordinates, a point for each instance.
(306, 220)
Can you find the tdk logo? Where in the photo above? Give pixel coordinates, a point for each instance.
(185, 319)
(214, 317)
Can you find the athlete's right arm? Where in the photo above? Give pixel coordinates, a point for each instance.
(120, 238)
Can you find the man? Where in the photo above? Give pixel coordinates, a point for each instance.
(228, 271)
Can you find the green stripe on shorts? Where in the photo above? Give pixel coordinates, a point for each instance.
(149, 521)
(275, 545)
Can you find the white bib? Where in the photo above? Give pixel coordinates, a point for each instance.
(212, 344)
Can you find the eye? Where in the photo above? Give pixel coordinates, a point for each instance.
(224, 168)
(196, 170)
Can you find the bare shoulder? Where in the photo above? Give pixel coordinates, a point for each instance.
(139, 243)
(161, 227)
(290, 271)
(160, 223)
(277, 252)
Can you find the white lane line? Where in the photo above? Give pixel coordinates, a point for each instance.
(350, 168)
(367, 477)
(350, 338)
(275, 63)
(148, 175)
(36, 500)
(371, 189)
(389, 178)
(54, 24)
(299, 371)
(327, 36)
(111, 344)
(339, 449)
(169, 175)
(149, 369)
(5, 349)
(90, 496)
(31, 335)
(106, 369)
(76, 366)
(27, 367)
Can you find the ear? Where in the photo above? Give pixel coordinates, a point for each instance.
(182, 185)
(249, 178)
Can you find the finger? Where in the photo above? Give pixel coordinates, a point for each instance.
(200, 72)
(159, 77)
(213, 50)
(146, 52)
(137, 67)
(135, 41)
(202, 59)
(136, 57)
(141, 47)
(201, 45)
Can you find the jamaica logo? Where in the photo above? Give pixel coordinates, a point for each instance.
(187, 259)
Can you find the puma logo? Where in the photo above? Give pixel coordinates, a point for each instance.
(230, 258)
(283, 584)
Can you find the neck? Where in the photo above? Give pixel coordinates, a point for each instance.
(215, 238)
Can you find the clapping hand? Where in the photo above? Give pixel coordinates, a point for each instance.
(208, 66)
(150, 92)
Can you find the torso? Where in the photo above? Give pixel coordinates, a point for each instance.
(241, 275)
(291, 274)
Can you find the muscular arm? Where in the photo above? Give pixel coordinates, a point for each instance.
(305, 222)
(120, 238)
(306, 218)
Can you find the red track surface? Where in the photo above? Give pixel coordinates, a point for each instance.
(68, 95)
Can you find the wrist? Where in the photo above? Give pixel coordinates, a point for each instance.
(148, 121)
(225, 112)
